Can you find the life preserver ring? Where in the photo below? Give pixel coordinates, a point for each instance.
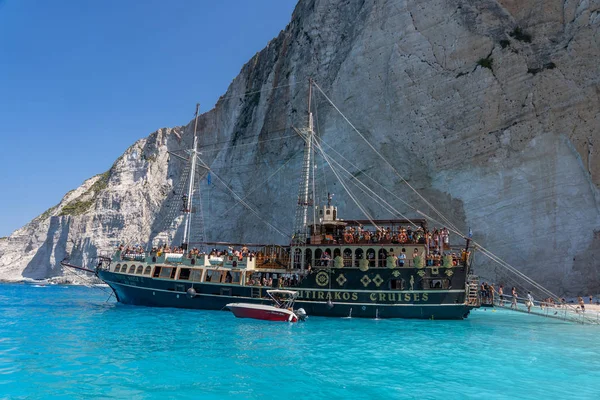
(348, 238)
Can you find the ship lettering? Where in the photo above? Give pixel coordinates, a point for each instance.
(374, 296)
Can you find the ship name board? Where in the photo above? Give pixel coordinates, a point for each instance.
(354, 296)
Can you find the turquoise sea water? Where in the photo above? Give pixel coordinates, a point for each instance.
(69, 342)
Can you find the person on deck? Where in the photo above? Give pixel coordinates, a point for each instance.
(529, 301)
(401, 258)
(581, 303)
(513, 304)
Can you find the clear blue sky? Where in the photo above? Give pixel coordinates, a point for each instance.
(82, 80)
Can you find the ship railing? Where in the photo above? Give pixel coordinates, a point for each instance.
(173, 257)
(272, 261)
(407, 263)
(562, 311)
(133, 256)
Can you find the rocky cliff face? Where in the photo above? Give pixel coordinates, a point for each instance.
(491, 109)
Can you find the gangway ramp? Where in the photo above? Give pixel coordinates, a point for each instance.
(564, 312)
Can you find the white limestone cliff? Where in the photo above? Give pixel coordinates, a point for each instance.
(491, 109)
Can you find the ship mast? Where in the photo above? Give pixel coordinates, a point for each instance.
(301, 222)
(187, 203)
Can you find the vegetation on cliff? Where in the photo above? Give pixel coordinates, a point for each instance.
(79, 206)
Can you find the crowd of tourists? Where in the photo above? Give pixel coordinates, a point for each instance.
(137, 252)
(434, 258)
(267, 279)
(400, 235)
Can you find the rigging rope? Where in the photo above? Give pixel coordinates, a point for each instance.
(383, 158)
(372, 194)
(265, 181)
(377, 183)
(245, 144)
(244, 203)
(364, 211)
(448, 223)
(258, 91)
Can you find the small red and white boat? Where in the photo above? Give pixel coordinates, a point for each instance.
(281, 309)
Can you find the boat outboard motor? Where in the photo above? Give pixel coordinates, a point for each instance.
(301, 314)
(191, 293)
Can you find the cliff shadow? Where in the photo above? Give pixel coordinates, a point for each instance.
(51, 252)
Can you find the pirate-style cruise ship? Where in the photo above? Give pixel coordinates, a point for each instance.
(393, 268)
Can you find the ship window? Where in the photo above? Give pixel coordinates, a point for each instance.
(437, 284)
(196, 275)
(371, 257)
(318, 254)
(139, 269)
(347, 257)
(124, 269)
(358, 255)
(173, 272)
(328, 212)
(132, 269)
(307, 257)
(397, 284)
(148, 270)
(236, 277)
(297, 258)
(184, 274)
(213, 276)
(165, 272)
(156, 272)
(118, 268)
(382, 257)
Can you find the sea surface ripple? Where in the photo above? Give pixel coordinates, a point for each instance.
(71, 342)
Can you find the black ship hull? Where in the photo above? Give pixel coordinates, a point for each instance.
(316, 300)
